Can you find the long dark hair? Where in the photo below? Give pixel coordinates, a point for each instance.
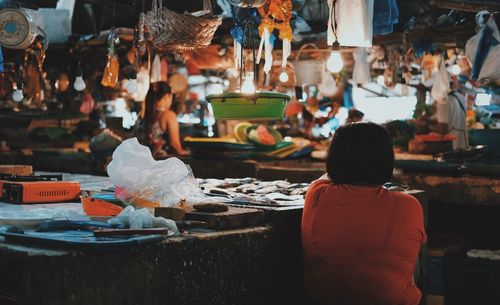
(155, 93)
(360, 153)
(144, 126)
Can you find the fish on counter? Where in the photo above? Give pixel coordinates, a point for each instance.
(253, 191)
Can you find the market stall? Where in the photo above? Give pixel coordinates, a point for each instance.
(170, 151)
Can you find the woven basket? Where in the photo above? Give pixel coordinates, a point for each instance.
(308, 71)
(172, 31)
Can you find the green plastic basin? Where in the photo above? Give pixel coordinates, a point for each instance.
(262, 105)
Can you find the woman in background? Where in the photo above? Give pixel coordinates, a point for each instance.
(161, 121)
(360, 240)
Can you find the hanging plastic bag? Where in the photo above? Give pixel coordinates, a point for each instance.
(142, 84)
(110, 75)
(167, 182)
(111, 70)
(156, 69)
(350, 22)
(328, 85)
(164, 69)
(87, 103)
(361, 72)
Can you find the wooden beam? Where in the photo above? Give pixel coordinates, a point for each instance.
(468, 6)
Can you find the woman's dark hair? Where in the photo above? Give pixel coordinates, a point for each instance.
(155, 93)
(360, 153)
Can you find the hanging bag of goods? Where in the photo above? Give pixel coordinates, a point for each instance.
(308, 71)
(173, 31)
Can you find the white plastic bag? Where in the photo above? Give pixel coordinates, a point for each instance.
(361, 72)
(328, 85)
(166, 182)
(142, 219)
(156, 69)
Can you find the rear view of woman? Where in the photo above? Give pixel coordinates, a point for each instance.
(360, 240)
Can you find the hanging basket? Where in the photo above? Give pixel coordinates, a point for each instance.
(308, 71)
(261, 105)
(172, 31)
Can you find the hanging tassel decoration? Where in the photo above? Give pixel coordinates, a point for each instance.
(237, 33)
(276, 14)
(287, 50)
(237, 54)
(268, 51)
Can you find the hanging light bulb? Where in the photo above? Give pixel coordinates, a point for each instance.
(132, 84)
(455, 69)
(18, 95)
(79, 84)
(335, 63)
(248, 86)
(381, 80)
(283, 77)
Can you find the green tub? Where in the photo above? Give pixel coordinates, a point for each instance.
(262, 105)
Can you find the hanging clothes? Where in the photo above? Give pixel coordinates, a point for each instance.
(385, 16)
(441, 84)
(483, 51)
(350, 22)
(361, 72)
(276, 14)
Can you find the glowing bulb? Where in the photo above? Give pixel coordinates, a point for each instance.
(18, 96)
(381, 80)
(455, 69)
(248, 86)
(131, 86)
(335, 63)
(215, 89)
(79, 84)
(283, 77)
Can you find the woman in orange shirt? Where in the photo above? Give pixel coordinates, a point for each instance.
(360, 240)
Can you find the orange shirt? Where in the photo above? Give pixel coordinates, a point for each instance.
(361, 245)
